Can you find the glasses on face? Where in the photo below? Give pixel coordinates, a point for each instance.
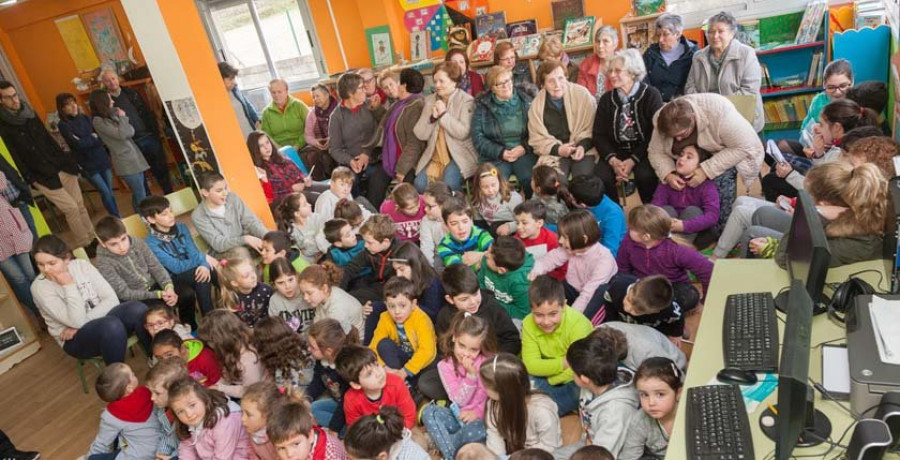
(11, 97)
(157, 324)
(501, 84)
(835, 88)
(368, 80)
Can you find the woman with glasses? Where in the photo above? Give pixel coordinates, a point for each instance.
(592, 70)
(500, 127)
(726, 66)
(507, 57)
(668, 61)
(623, 126)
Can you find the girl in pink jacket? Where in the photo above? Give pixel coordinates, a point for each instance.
(209, 425)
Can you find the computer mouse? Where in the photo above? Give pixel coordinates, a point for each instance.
(733, 376)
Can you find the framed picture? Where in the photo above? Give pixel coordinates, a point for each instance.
(381, 50)
(521, 28)
(530, 45)
(492, 24)
(460, 37)
(645, 7)
(419, 45)
(566, 9)
(578, 32)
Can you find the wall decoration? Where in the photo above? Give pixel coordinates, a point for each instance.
(105, 35)
(578, 32)
(521, 28)
(645, 7)
(77, 42)
(190, 131)
(419, 45)
(417, 4)
(432, 18)
(417, 19)
(527, 46)
(469, 8)
(482, 49)
(459, 37)
(566, 9)
(493, 25)
(381, 50)
(459, 18)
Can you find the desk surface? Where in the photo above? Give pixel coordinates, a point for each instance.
(732, 276)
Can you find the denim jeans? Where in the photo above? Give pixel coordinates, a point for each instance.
(108, 336)
(448, 433)
(19, 272)
(136, 184)
(522, 168)
(371, 184)
(156, 158)
(322, 411)
(29, 219)
(102, 181)
(452, 177)
(565, 396)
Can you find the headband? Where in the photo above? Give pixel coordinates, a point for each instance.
(494, 364)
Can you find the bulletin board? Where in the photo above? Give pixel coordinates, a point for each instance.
(77, 42)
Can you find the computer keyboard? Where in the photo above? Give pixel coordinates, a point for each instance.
(717, 424)
(750, 332)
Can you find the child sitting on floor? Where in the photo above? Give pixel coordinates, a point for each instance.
(201, 362)
(345, 246)
(550, 192)
(693, 209)
(504, 271)
(464, 243)
(317, 283)
(407, 209)
(378, 235)
(240, 290)
(342, 179)
(159, 380)
(589, 193)
(209, 423)
(649, 301)
(371, 387)
(532, 229)
(295, 217)
(494, 201)
(432, 230)
(277, 245)
(128, 416)
(287, 301)
(292, 431)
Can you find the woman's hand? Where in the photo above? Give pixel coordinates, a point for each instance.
(674, 181)
(439, 108)
(253, 242)
(119, 112)
(757, 245)
(625, 168)
(698, 178)
(360, 163)
(565, 150)
(677, 225)
(68, 334)
(367, 308)
(504, 230)
(783, 169)
(578, 153)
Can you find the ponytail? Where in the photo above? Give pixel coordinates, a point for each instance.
(849, 114)
(547, 180)
(866, 194)
(374, 434)
(285, 210)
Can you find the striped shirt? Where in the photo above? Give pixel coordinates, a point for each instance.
(451, 251)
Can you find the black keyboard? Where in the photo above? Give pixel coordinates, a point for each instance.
(717, 424)
(750, 332)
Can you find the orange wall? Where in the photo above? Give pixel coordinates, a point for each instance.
(37, 51)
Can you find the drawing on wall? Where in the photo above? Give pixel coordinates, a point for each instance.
(105, 35)
(192, 134)
(419, 45)
(77, 42)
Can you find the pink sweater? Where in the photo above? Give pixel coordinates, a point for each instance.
(586, 272)
(226, 441)
(465, 390)
(405, 227)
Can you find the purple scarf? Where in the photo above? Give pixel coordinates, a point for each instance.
(322, 117)
(390, 149)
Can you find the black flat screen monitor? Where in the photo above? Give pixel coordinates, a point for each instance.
(807, 252)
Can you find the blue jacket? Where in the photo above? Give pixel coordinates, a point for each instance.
(342, 256)
(179, 255)
(486, 133)
(669, 79)
(249, 111)
(84, 142)
(612, 224)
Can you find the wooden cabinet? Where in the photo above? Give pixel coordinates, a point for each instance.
(13, 315)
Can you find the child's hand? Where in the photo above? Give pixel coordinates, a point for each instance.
(757, 245)
(162, 457)
(201, 274)
(677, 225)
(504, 230)
(783, 169)
(170, 297)
(471, 258)
(531, 276)
(213, 263)
(307, 181)
(367, 308)
(398, 372)
(253, 242)
(298, 187)
(261, 175)
(67, 334)
(675, 341)
(63, 278)
(467, 416)
(698, 178)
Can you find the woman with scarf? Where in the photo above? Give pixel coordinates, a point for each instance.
(471, 81)
(400, 148)
(315, 154)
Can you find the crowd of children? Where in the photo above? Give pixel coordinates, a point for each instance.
(481, 318)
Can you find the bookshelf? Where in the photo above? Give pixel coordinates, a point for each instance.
(12, 315)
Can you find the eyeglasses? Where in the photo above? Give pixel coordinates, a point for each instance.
(368, 80)
(11, 97)
(503, 83)
(834, 88)
(156, 325)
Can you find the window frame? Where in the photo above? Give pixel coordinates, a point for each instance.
(206, 8)
(741, 9)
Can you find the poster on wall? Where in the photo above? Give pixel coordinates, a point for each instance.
(419, 45)
(434, 19)
(381, 50)
(77, 42)
(192, 134)
(416, 4)
(105, 35)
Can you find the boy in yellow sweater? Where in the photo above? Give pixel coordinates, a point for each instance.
(404, 339)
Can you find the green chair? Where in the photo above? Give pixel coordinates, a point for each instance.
(182, 201)
(135, 226)
(97, 361)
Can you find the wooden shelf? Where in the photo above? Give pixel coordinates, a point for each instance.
(772, 92)
(782, 126)
(783, 49)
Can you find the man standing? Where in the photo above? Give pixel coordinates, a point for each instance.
(146, 130)
(42, 162)
(285, 118)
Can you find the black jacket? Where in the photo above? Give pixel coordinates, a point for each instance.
(327, 381)
(669, 321)
(140, 105)
(78, 131)
(382, 268)
(36, 153)
(669, 79)
(508, 338)
(647, 102)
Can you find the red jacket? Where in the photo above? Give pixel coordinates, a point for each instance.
(550, 241)
(202, 364)
(395, 393)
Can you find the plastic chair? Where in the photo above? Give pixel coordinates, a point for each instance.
(182, 201)
(80, 253)
(97, 361)
(292, 154)
(135, 226)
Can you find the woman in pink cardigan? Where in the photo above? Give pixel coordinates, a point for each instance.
(209, 425)
(315, 154)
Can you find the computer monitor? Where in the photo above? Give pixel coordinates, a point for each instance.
(807, 253)
(797, 423)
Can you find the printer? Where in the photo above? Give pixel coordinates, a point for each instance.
(870, 378)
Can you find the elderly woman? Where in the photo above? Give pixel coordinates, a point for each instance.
(560, 122)
(352, 139)
(592, 70)
(552, 50)
(500, 127)
(375, 97)
(446, 124)
(726, 66)
(401, 149)
(315, 154)
(669, 60)
(471, 81)
(507, 57)
(624, 124)
(711, 122)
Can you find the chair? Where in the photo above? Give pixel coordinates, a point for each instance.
(182, 201)
(97, 361)
(745, 105)
(135, 226)
(80, 253)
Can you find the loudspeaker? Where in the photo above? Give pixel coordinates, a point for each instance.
(889, 412)
(870, 440)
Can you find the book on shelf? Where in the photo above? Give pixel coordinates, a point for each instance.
(482, 49)
(521, 28)
(820, 71)
(869, 13)
(812, 76)
(766, 78)
(493, 24)
(811, 22)
(788, 109)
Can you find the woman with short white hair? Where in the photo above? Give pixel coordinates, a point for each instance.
(668, 61)
(592, 71)
(623, 125)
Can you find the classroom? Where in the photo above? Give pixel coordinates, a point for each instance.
(449, 229)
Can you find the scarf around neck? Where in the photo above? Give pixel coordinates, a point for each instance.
(17, 118)
(322, 118)
(391, 149)
(135, 407)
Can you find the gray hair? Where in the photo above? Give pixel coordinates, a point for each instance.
(723, 17)
(632, 62)
(609, 31)
(671, 22)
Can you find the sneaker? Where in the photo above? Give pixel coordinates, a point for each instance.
(630, 188)
(20, 455)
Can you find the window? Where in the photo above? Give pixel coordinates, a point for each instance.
(265, 39)
(695, 12)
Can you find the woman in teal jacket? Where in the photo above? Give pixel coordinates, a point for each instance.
(500, 127)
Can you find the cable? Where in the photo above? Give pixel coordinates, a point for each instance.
(880, 279)
(821, 389)
(827, 342)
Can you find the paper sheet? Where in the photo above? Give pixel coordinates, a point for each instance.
(836, 371)
(886, 325)
(774, 152)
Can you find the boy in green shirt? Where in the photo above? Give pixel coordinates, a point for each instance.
(504, 271)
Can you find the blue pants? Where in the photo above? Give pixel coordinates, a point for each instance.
(137, 185)
(521, 168)
(108, 336)
(29, 219)
(102, 181)
(378, 308)
(19, 272)
(156, 158)
(448, 433)
(565, 396)
(594, 305)
(452, 177)
(323, 410)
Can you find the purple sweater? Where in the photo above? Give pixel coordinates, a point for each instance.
(466, 391)
(705, 197)
(668, 258)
